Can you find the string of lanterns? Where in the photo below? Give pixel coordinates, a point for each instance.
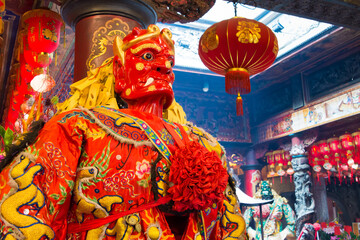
(279, 164)
(337, 156)
(38, 39)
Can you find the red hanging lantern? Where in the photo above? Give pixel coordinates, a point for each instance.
(279, 159)
(348, 146)
(290, 170)
(237, 48)
(271, 161)
(356, 157)
(315, 159)
(335, 149)
(43, 30)
(34, 59)
(326, 154)
(347, 142)
(26, 72)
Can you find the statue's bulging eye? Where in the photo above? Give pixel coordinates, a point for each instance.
(172, 63)
(148, 56)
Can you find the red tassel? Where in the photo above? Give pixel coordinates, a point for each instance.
(317, 177)
(239, 106)
(237, 80)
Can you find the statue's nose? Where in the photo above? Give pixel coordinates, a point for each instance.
(163, 66)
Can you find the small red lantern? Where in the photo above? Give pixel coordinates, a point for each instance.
(237, 48)
(43, 30)
(348, 146)
(26, 72)
(279, 159)
(315, 159)
(326, 154)
(34, 59)
(290, 170)
(271, 161)
(356, 136)
(335, 148)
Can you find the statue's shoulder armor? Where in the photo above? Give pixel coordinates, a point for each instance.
(119, 126)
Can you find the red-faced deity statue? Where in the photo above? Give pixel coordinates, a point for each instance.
(143, 67)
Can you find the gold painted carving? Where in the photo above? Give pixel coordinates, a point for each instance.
(139, 66)
(103, 39)
(248, 32)
(210, 40)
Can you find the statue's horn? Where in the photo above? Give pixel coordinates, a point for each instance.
(117, 48)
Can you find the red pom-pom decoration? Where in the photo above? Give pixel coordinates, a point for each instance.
(198, 176)
(317, 226)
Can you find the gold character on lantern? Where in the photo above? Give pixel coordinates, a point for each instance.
(248, 32)
(210, 40)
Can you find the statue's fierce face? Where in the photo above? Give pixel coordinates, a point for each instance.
(143, 65)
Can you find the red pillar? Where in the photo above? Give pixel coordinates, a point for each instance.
(252, 174)
(96, 23)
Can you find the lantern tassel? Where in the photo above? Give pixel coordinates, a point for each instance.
(239, 106)
(291, 178)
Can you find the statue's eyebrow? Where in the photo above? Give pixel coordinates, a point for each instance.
(153, 46)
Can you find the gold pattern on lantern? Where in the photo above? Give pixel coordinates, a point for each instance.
(210, 40)
(50, 35)
(276, 47)
(248, 32)
(151, 88)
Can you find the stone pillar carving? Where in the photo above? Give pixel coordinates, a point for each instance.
(304, 204)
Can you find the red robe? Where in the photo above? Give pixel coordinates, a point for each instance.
(88, 165)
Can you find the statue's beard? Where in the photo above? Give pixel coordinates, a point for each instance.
(121, 103)
(267, 197)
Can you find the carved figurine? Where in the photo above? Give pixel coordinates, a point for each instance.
(272, 216)
(105, 173)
